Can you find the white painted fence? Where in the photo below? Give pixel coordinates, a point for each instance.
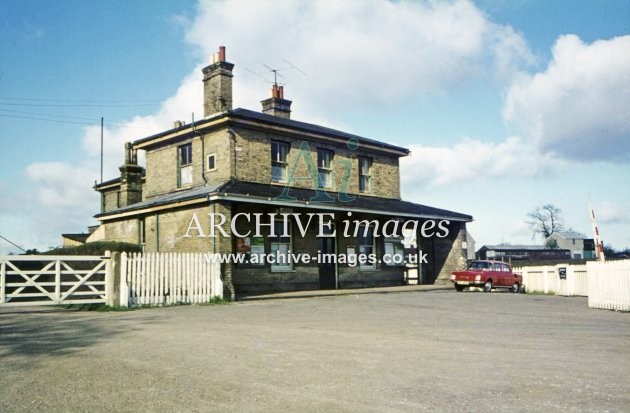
(169, 278)
(609, 285)
(52, 279)
(547, 279)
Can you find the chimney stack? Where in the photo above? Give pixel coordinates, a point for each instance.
(130, 178)
(277, 105)
(217, 84)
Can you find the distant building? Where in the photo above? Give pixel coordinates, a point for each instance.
(73, 240)
(581, 248)
(521, 252)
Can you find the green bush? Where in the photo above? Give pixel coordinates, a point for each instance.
(95, 248)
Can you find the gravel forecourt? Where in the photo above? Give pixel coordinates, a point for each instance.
(410, 352)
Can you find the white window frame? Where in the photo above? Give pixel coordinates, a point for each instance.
(184, 170)
(279, 162)
(214, 156)
(367, 266)
(278, 242)
(396, 248)
(327, 171)
(362, 173)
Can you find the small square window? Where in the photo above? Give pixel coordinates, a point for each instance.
(211, 162)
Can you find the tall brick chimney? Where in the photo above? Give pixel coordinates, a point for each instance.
(130, 178)
(217, 84)
(277, 105)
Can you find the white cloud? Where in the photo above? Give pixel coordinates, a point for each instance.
(61, 185)
(472, 160)
(355, 52)
(578, 107)
(360, 53)
(612, 213)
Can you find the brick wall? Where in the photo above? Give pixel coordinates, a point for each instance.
(109, 200)
(125, 230)
(445, 255)
(253, 163)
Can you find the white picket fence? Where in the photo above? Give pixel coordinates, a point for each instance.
(547, 279)
(609, 285)
(169, 278)
(606, 284)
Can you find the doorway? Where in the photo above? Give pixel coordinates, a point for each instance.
(327, 262)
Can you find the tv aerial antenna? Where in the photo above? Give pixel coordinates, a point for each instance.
(276, 72)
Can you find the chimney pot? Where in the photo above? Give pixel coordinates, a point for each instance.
(276, 105)
(221, 53)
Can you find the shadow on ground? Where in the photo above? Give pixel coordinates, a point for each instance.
(27, 337)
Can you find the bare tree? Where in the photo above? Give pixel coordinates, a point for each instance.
(545, 220)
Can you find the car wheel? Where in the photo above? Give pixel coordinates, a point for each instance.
(459, 287)
(487, 286)
(522, 289)
(515, 288)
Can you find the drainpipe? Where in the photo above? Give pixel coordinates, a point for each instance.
(157, 232)
(203, 150)
(214, 239)
(233, 150)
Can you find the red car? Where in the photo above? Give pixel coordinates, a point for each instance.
(489, 275)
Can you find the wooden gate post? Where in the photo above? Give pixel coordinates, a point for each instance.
(109, 279)
(123, 295)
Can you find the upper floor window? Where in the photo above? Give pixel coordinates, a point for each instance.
(279, 152)
(365, 176)
(324, 167)
(184, 164)
(211, 162)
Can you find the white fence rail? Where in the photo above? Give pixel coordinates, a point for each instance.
(562, 279)
(50, 279)
(609, 285)
(169, 278)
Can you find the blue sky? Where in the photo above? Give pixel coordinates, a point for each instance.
(506, 105)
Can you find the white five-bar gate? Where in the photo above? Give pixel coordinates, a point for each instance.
(117, 279)
(49, 279)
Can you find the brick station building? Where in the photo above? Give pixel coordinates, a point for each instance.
(238, 161)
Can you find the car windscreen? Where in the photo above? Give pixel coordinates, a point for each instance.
(479, 265)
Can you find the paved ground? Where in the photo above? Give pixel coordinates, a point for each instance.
(413, 351)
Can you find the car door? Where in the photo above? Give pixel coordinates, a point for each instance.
(499, 274)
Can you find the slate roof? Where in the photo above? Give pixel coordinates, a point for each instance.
(375, 204)
(76, 237)
(173, 197)
(246, 114)
(311, 127)
(268, 194)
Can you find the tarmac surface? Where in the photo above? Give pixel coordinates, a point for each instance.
(412, 351)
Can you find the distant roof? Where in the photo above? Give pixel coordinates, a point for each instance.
(76, 237)
(248, 192)
(570, 235)
(514, 247)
